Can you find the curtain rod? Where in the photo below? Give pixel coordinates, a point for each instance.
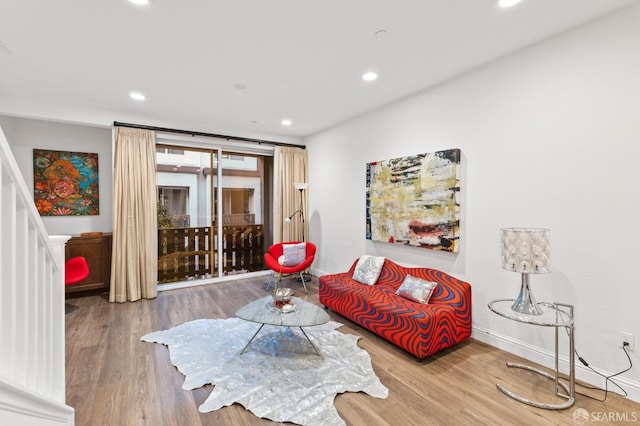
(211, 135)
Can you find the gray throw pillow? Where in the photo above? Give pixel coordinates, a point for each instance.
(368, 269)
(416, 289)
(294, 254)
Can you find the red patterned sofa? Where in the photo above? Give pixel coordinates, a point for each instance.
(420, 329)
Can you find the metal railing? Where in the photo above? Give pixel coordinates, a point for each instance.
(192, 253)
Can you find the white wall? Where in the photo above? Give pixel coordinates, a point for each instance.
(25, 134)
(550, 137)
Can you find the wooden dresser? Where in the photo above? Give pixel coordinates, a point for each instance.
(97, 251)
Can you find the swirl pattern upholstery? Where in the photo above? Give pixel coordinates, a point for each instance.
(420, 329)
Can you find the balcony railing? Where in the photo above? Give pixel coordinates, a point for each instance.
(186, 253)
(238, 219)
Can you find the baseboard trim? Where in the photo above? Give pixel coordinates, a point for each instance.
(546, 358)
(19, 406)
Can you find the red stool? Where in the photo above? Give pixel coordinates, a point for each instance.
(75, 271)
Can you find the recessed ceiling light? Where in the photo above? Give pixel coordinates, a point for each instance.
(286, 122)
(508, 3)
(137, 96)
(381, 33)
(140, 2)
(369, 76)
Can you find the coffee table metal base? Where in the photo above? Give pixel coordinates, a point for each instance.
(262, 325)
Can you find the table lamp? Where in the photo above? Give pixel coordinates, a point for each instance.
(526, 250)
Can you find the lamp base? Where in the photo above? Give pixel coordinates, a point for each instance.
(526, 303)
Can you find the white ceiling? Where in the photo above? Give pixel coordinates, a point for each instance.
(77, 60)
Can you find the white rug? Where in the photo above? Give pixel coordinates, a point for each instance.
(279, 376)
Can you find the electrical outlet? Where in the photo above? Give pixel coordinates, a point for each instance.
(628, 338)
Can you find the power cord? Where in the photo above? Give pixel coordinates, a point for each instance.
(607, 379)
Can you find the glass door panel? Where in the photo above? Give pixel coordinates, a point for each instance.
(186, 250)
(242, 195)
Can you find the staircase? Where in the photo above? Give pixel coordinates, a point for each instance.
(32, 358)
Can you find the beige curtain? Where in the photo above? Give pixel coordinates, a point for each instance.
(135, 235)
(290, 166)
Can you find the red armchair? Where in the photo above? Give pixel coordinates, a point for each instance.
(275, 251)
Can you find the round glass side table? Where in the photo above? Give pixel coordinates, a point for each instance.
(557, 315)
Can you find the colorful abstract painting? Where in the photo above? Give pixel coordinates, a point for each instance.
(65, 183)
(415, 201)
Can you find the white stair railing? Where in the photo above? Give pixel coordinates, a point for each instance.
(32, 360)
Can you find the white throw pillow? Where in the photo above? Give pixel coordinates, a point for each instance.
(294, 254)
(416, 289)
(368, 269)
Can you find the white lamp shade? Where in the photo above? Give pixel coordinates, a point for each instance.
(526, 250)
(301, 185)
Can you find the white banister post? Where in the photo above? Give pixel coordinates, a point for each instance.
(57, 305)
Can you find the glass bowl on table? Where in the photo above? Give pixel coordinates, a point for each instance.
(282, 296)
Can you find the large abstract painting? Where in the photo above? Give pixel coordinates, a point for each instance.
(65, 183)
(415, 200)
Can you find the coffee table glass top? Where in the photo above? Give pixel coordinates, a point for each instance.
(263, 311)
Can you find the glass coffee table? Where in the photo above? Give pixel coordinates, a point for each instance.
(264, 312)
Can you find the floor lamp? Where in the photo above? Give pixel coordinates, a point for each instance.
(300, 187)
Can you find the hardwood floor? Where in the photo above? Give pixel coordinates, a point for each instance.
(113, 378)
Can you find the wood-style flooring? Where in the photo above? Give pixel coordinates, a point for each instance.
(115, 379)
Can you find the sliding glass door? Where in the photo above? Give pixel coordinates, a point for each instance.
(196, 187)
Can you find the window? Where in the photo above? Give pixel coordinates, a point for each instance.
(176, 203)
(165, 150)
